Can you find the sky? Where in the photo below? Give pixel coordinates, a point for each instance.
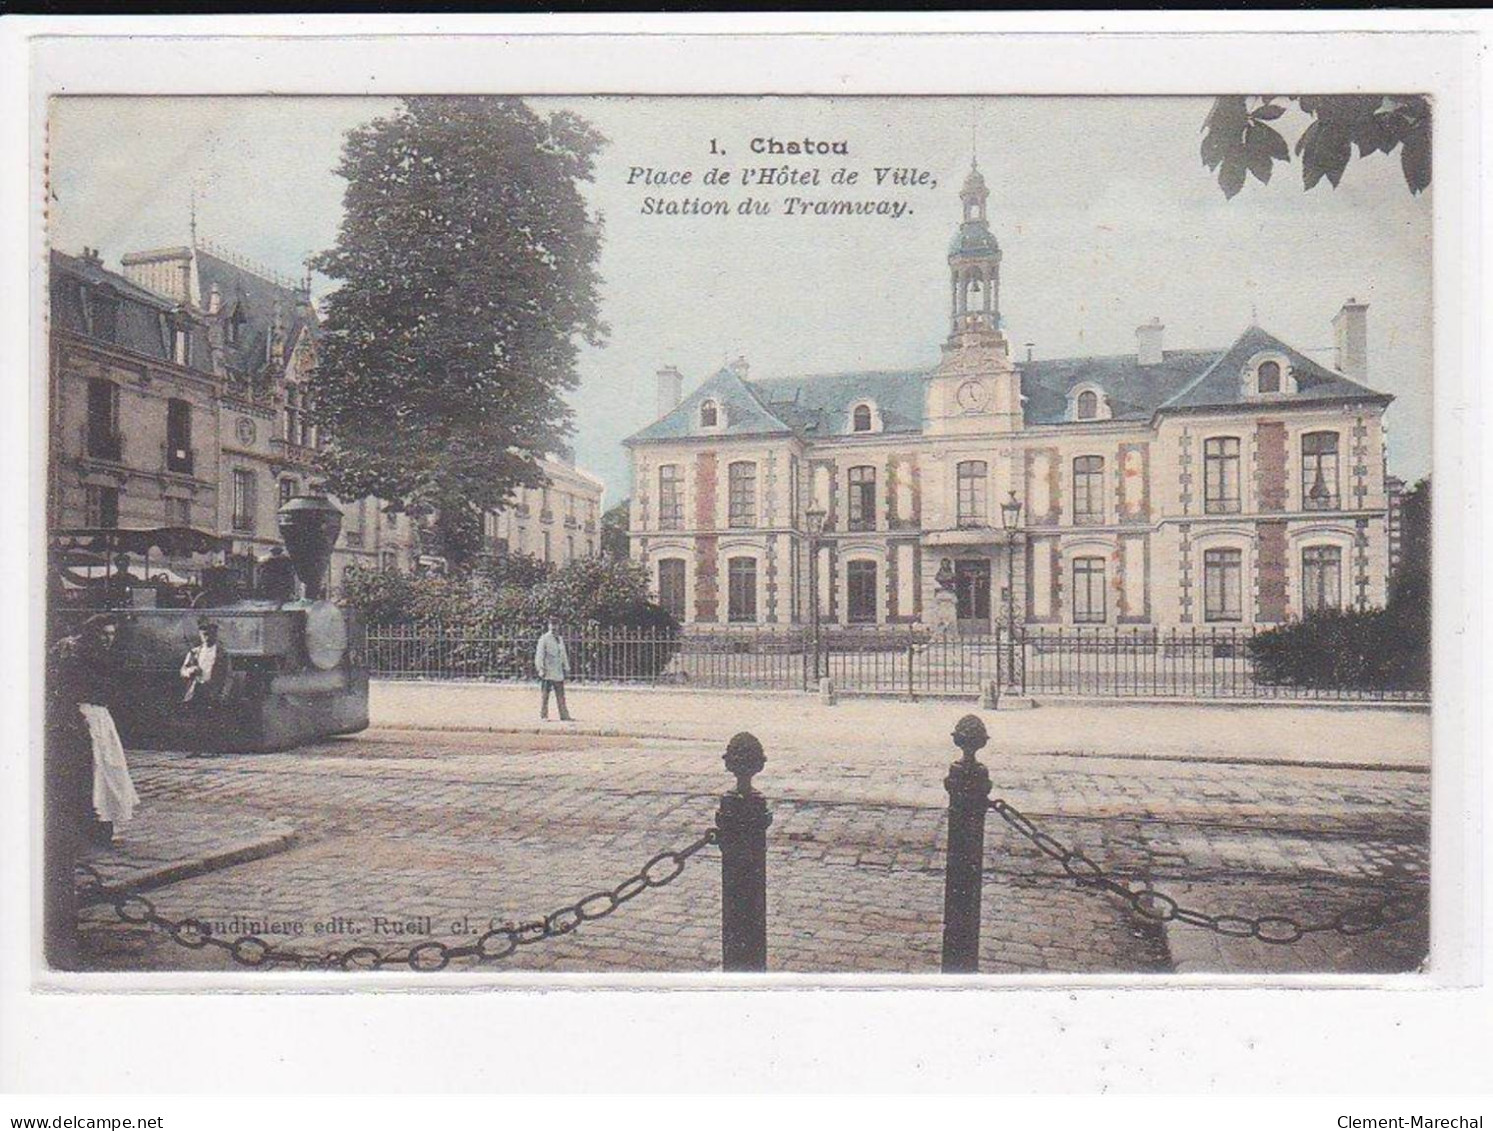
(1104, 214)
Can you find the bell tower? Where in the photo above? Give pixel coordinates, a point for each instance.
(976, 387)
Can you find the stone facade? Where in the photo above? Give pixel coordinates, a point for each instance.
(1235, 486)
(175, 399)
(557, 523)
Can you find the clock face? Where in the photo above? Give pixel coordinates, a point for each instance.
(245, 430)
(972, 396)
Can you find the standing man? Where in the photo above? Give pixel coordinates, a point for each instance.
(206, 670)
(553, 664)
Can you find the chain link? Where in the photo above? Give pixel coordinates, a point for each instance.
(428, 956)
(1158, 907)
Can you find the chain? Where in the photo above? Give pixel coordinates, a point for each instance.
(497, 944)
(1159, 907)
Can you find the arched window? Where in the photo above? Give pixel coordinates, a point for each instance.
(709, 415)
(1088, 405)
(861, 418)
(1268, 377)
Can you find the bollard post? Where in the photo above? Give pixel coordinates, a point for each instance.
(741, 824)
(968, 784)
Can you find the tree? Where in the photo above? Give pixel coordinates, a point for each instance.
(467, 268)
(614, 527)
(1239, 139)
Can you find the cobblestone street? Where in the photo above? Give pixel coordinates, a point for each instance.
(400, 832)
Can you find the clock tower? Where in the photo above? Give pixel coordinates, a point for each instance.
(976, 387)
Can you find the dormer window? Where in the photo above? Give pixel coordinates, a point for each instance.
(709, 415)
(1268, 374)
(861, 418)
(1087, 402)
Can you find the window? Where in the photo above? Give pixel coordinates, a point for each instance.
(570, 547)
(103, 506)
(357, 523)
(1321, 578)
(178, 512)
(741, 597)
(1267, 377)
(1088, 591)
(545, 514)
(860, 592)
(103, 316)
(793, 491)
(742, 500)
(862, 498)
(388, 561)
(670, 498)
(1319, 471)
(1221, 475)
(709, 414)
(861, 418)
(181, 345)
(1088, 405)
(243, 500)
(287, 490)
(295, 426)
(491, 534)
(236, 326)
(1088, 490)
(1223, 586)
(103, 419)
(973, 510)
(671, 587)
(546, 546)
(178, 436)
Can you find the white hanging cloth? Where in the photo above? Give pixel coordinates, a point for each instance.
(114, 796)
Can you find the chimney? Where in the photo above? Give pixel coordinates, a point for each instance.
(214, 299)
(1148, 342)
(167, 271)
(670, 390)
(1029, 347)
(1350, 327)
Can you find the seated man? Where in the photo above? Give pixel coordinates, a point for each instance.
(206, 669)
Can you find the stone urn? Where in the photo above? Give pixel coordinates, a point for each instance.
(309, 525)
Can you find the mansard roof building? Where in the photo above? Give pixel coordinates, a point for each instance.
(1240, 485)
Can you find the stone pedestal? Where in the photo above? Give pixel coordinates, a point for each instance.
(945, 610)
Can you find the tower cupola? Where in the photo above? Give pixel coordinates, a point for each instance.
(974, 264)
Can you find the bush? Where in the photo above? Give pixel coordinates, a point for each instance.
(486, 623)
(1364, 650)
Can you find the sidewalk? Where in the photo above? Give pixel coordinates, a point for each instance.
(163, 845)
(1286, 734)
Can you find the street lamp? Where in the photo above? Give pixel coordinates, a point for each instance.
(814, 517)
(1011, 522)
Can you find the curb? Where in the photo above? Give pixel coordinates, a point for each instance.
(177, 870)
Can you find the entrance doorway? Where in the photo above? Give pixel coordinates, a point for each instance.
(972, 590)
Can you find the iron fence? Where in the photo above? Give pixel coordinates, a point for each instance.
(913, 661)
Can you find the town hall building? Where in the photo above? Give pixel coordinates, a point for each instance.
(1243, 485)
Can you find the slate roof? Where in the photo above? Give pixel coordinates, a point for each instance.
(1184, 380)
(821, 406)
(1134, 391)
(1219, 383)
(254, 298)
(141, 322)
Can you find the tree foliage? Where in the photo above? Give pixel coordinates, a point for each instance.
(1240, 136)
(467, 269)
(519, 592)
(615, 524)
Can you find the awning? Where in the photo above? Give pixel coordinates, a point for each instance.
(173, 540)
